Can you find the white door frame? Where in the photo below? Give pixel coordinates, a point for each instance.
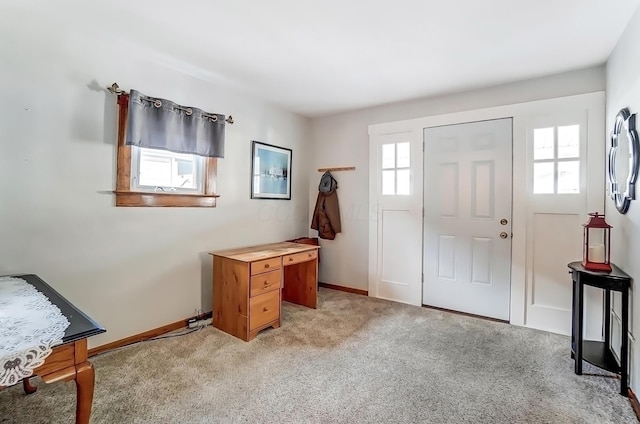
(522, 113)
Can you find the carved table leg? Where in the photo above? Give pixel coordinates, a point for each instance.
(85, 377)
(28, 388)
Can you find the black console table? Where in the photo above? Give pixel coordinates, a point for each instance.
(594, 352)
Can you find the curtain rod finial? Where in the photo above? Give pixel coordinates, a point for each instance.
(230, 119)
(115, 88)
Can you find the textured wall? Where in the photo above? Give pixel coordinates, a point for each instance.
(132, 269)
(623, 90)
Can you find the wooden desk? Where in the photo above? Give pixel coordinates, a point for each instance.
(250, 283)
(68, 361)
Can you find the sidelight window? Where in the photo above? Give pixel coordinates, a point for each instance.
(396, 169)
(556, 160)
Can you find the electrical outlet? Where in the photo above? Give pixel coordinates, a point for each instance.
(191, 322)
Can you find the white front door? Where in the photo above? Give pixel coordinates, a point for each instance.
(467, 217)
(396, 195)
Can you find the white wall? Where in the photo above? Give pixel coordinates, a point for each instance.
(131, 269)
(623, 90)
(343, 140)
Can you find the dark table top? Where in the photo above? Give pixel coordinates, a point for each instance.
(616, 273)
(81, 326)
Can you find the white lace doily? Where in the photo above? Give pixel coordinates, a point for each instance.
(30, 325)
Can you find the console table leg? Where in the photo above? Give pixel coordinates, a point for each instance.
(607, 320)
(624, 349)
(579, 330)
(85, 377)
(574, 319)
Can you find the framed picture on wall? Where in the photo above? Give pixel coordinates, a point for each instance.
(270, 171)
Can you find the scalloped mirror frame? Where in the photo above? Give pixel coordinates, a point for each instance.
(625, 121)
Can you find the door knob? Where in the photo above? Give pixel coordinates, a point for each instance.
(503, 235)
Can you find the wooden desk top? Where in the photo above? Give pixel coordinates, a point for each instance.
(264, 251)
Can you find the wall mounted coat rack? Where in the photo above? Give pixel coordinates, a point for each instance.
(337, 168)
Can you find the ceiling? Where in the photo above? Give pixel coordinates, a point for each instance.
(322, 57)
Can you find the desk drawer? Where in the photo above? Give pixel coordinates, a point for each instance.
(264, 309)
(265, 282)
(264, 266)
(299, 257)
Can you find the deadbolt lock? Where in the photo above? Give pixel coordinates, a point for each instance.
(503, 235)
(504, 221)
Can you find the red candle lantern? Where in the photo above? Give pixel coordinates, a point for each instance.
(596, 251)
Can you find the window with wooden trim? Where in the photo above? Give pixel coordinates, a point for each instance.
(153, 177)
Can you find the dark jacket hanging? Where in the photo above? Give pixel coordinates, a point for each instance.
(326, 215)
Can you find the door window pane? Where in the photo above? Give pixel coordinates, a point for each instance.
(543, 178)
(569, 177)
(389, 182)
(388, 156)
(404, 160)
(569, 141)
(404, 181)
(543, 143)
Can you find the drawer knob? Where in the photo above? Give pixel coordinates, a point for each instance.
(266, 265)
(265, 309)
(310, 255)
(266, 284)
(290, 259)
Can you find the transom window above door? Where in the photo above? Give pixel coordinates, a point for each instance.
(556, 160)
(396, 169)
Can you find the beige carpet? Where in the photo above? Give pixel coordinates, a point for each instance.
(353, 360)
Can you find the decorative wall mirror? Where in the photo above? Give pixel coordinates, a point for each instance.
(624, 159)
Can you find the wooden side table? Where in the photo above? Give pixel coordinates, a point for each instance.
(68, 361)
(594, 352)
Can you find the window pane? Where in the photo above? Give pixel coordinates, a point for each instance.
(159, 168)
(543, 143)
(569, 177)
(404, 159)
(543, 177)
(569, 141)
(404, 181)
(388, 182)
(154, 170)
(388, 156)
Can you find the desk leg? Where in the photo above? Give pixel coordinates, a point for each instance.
(578, 327)
(301, 283)
(85, 377)
(624, 349)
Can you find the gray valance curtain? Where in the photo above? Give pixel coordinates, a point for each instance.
(161, 124)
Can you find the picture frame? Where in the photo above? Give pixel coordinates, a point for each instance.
(270, 171)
